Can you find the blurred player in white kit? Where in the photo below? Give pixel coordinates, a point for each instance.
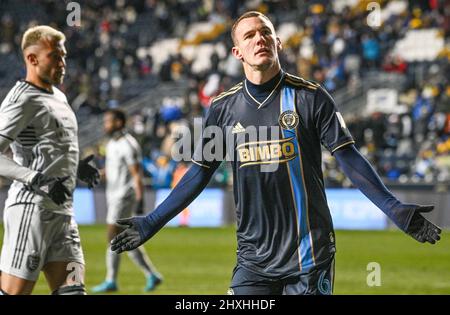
(125, 196)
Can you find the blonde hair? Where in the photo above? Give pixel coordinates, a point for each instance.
(246, 15)
(33, 35)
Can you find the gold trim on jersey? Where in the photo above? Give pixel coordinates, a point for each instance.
(199, 164)
(267, 162)
(231, 91)
(296, 217)
(342, 145)
(306, 198)
(262, 142)
(300, 82)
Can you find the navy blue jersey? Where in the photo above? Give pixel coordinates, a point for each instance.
(284, 226)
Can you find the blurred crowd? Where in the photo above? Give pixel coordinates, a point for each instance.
(329, 42)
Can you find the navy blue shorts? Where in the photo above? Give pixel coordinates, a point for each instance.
(318, 281)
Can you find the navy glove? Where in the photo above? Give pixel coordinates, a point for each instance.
(51, 187)
(138, 231)
(88, 173)
(139, 207)
(417, 226)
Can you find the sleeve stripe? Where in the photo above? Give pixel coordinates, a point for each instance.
(343, 145)
(6, 137)
(18, 93)
(195, 162)
(15, 90)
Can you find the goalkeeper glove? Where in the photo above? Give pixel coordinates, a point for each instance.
(51, 187)
(138, 231)
(416, 225)
(88, 173)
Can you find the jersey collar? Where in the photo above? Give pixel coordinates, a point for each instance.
(116, 135)
(37, 87)
(274, 89)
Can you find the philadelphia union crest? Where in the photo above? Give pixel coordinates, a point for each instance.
(288, 119)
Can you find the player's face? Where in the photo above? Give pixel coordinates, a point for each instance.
(256, 43)
(51, 65)
(111, 124)
(108, 123)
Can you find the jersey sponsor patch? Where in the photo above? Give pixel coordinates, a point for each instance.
(288, 120)
(264, 152)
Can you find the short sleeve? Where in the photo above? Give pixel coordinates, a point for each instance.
(132, 155)
(210, 148)
(329, 122)
(16, 115)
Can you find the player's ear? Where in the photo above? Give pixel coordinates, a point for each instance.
(279, 46)
(31, 58)
(237, 53)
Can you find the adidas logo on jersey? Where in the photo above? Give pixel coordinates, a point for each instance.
(238, 128)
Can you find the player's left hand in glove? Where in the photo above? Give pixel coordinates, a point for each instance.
(138, 231)
(418, 227)
(88, 173)
(51, 187)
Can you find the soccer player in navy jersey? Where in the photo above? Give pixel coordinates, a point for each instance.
(273, 125)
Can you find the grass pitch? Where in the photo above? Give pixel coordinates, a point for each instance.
(200, 261)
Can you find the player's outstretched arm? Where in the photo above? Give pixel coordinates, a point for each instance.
(407, 217)
(87, 172)
(142, 228)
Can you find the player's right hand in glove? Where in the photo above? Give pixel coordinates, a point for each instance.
(138, 231)
(51, 187)
(418, 227)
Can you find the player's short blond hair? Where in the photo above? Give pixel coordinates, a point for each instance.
(33, 35)
(246, 15)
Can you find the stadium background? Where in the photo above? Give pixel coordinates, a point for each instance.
(163, 61)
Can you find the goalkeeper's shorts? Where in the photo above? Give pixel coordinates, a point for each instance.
(34, 237)
(317, 281)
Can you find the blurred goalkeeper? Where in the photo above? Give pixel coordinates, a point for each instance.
(286, 242)
(39, 125)
(125, 196)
